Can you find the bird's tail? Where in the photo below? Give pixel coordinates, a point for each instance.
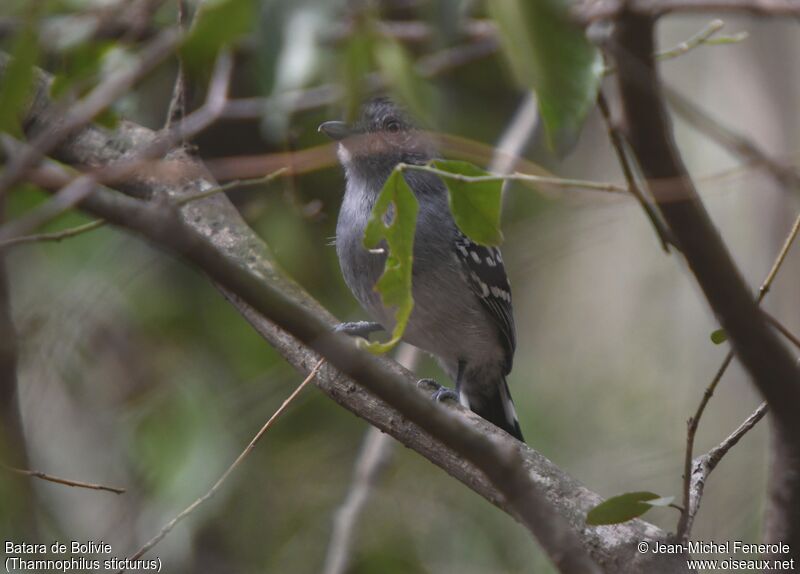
(496, 407)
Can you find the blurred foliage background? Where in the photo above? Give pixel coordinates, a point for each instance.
(135, 372)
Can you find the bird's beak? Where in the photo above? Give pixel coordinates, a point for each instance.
(334, 130)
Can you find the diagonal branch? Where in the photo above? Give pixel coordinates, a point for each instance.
(498, 457)
(770, 365)
(691, 494)
(392, 404)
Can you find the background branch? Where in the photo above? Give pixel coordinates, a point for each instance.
(768, 362)
(218, 224)
(597, 10)
(64, 481)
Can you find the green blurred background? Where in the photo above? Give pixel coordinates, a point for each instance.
(135, 372)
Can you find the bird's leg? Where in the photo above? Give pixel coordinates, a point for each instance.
(443, 393)
(361, 329)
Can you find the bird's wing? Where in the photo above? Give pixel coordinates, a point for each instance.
(483, 268)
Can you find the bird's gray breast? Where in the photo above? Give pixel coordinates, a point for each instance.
(360, 267)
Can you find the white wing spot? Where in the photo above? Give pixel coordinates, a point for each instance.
(484, 287)
(476, 257)
(490, 261)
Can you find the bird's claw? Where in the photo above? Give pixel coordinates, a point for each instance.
(440, 393)
(361, 329)
(444, 394)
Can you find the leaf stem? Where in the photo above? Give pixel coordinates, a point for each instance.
(559, 182)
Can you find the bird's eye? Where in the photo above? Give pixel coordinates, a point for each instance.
(392, 126)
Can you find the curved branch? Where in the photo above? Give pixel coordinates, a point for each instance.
(213, 235)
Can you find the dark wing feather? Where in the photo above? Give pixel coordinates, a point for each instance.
(483, 268)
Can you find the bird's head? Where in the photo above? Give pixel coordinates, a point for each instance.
(383, 136)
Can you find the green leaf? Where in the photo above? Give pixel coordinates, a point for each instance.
(621, 508)
(551, 55)
(356, 65)
(397, 205)
(719, 336)
(218, 24)
(16, 82)
(475, 204)
(661, 502)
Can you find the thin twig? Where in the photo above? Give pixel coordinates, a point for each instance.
(783, 330)
(84, 111)
(213, 490)
(714, 456)
(703, 465)
(734, 142)
(59, 480)
(54, 235)
(524, 177)
(704, 37)
(691, 506)
(618, 142)
(177, 105)
(78, 189)
(787, 245)
(98, 223)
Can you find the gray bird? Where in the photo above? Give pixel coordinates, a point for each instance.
(462, 300)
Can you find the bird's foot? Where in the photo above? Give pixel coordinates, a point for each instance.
(440, 393)
(361, 329)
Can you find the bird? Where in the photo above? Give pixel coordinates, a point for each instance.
(462, 314)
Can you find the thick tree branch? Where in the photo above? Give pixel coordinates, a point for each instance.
(649, 131)
(692, 494)
(496, 457)
(221, 241)
(596, 10)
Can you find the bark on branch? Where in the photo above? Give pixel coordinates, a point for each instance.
(769, 363)
(212, 235)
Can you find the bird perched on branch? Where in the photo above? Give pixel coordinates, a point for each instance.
(462, 311)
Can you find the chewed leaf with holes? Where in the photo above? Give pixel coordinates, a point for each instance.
(475, 204)
(397, 204)
(625, 507)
